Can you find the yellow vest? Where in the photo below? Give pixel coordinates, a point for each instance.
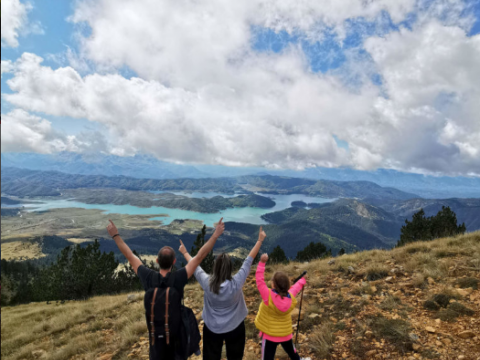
(272, 321)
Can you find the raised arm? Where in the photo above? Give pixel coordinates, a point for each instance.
(258, 245)
(242, 274)
(201, 276)
(205, 249)
(125, 250)
(260, 278)
(295, 288)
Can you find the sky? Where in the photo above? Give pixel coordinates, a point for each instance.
(280, 84)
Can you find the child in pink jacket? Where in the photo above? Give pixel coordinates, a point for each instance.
(273, 319)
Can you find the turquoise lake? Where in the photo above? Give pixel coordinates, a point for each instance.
(245, 215)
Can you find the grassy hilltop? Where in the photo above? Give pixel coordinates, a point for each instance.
(420, 301)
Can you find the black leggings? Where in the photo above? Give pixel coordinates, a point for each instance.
(234, 342)
(269, 348)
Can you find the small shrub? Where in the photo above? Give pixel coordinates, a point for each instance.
(443, 299)
(363, 289)
(447, 315)
(376, 272)
(322, 340)
(468, 283)
(431, 305)
(342, 308)
(453, 311)
(418, 280)
(444, 254)
(308, 323)
(430, 354)
(418, 249)
(390, 303)
(461, 309)
(394, 330)
(358, 348)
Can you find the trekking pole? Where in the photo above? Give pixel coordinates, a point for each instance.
(300, 310)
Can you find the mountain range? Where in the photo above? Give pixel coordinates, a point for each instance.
(21, 182)
(143, 166)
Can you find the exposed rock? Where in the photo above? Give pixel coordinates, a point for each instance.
(465, 292)
(39, 354)
(331, 262)
(430, 329)
(133, 298)
(468, 334)
(351, 270)
(413, 337)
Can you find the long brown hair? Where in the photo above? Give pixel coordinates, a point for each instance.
(282, 283)
(222, 270)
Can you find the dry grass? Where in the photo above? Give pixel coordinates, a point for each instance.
(467, 283)
(453, 311)
(17, 250)
(394, 330)
(75, 328)
(322, 340)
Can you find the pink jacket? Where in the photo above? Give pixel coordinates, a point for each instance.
(281, 304)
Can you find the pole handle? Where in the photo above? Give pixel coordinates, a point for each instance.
(298, 278)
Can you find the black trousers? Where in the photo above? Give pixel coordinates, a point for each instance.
(269, 348)
(234, 342)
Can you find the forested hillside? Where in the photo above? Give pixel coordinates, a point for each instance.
(467, 210)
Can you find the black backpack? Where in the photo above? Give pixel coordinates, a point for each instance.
(190, 335)
(182, 326)
(163, 312)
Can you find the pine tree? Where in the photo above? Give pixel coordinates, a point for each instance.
(423, 228)
(277, 256)
(341, 252)
(207, 263)
(312, 251)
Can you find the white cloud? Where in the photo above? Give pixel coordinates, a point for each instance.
(212, 125)
(431, 77)
(190, 44)
(7, 67)
(203, 95)
(15, 22)
(24, 132)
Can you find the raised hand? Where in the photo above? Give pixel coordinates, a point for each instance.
(220, 228)
(261, 234)
(182, 248)
(264, 258)
(112, 229)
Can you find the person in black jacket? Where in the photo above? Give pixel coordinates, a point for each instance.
(166, 260)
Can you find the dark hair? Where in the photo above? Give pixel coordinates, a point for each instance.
(222, 270)
(166, 257)
(282, 283)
